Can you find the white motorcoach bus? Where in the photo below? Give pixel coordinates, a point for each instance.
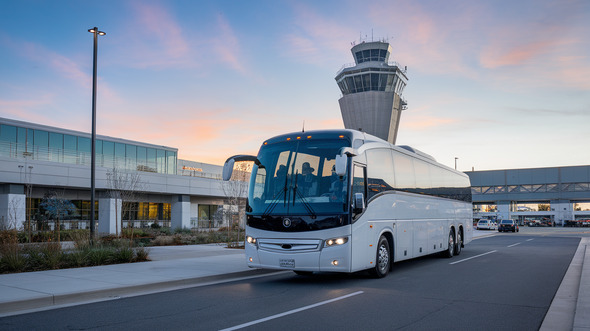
(345, 201)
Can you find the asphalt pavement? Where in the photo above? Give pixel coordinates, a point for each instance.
(174, 267)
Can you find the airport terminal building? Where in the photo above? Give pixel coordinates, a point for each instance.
(547, 195)
(37, 159)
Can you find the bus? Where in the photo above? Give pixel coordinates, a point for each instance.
(346, 201)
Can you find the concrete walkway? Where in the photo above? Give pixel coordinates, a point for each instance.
(175, 267)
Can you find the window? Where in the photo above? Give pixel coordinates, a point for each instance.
(422, 172)
(404, 171)
(70, 148)
(56, 145)
(171, 159)
(379, 171)
(130, 157)
(161, 161)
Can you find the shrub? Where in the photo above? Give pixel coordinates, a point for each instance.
(100, 255)
(78, 258)
(123, 254)
(11, 257)
(142, 254)
(52, 254)
(183, 231)
(155, 225)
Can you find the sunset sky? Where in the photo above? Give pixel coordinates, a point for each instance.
(499, 84)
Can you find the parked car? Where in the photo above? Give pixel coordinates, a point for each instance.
(485, 225)
(508, 225)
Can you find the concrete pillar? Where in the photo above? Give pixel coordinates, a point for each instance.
(503, 210)
(12, 211)
(563, 211)
(109, 215)
(181, 212)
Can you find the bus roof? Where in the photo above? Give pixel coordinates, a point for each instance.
(357, 138)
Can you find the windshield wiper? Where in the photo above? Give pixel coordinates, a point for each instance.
(306, 204)
(275, 200)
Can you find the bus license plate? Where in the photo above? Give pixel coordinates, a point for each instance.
(287, 263)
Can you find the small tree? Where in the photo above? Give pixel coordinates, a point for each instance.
(57, 207)
(125, 186)
(235, 191)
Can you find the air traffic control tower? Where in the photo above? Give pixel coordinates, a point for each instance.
(372, 91)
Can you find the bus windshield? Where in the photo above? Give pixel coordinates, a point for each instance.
(298, 178)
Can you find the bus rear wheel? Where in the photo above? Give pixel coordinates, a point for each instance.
(382, 260)
(459, 243)
(451, 249)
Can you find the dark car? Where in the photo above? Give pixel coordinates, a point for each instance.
(507, 225)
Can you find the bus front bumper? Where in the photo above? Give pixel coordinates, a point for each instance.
(325, 259)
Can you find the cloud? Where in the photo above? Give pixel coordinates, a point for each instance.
(315, 37)
(227, 46)
(153, 38)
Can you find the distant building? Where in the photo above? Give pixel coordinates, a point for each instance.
(554, 195)
(35, 159)
(372, 91)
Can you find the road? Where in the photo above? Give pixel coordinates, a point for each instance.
(502, 282)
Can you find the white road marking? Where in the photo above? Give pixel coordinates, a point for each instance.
(473, 257)
(530, 239)
(514, 245)
(291, 312)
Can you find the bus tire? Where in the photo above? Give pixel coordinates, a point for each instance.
(382, 259)
(451, 249)
(459, 243)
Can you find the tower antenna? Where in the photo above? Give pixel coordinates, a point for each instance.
(303, 129)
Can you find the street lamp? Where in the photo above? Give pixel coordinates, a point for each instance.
(456, 158)
(96, 33)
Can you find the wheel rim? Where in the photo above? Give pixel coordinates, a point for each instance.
(383, 259)
(459, 242)
(451, 244)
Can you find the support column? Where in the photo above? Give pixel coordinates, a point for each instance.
(109, 215)
(503, 210)
(563, 210)
(181, 212)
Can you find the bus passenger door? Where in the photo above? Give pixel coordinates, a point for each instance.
(362, 237)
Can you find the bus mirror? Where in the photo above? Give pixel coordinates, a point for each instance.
(341, 165)
(358, 203)
(228, 168)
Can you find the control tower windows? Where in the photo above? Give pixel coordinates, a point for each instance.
(371, 55)
(387, 82)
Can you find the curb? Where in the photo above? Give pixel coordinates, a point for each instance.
(563, 310)
(582, 316)
(55, 301)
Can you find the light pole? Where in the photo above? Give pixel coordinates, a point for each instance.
(96, 33)
(456, 158)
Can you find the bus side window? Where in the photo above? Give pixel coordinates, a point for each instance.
(359, 182)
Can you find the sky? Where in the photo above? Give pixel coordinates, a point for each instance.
(498, 84)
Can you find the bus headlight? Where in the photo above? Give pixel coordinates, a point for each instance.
(251, 240)
(335, 241)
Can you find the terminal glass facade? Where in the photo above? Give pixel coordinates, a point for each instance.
(20, 142)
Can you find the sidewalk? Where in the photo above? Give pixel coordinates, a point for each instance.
(186, 266)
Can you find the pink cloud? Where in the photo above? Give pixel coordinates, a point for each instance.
(156, 21)
(227, 46)
(315, 35)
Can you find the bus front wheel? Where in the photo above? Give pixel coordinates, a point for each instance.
(383, 259)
